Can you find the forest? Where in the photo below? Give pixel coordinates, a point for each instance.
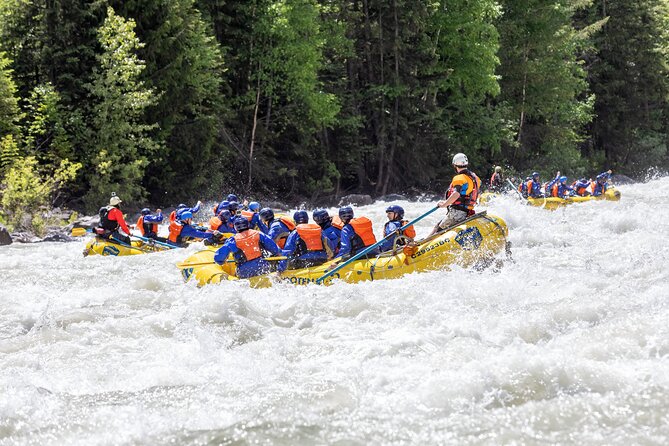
(163, 101)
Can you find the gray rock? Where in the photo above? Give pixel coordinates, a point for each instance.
(60, 214)
(356, 200)
(85, 222)
(5, 238)
(57, 235)
(25, 237)
(275, 205)
(392, 197)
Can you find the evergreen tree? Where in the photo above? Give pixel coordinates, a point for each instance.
(9, 107)
(544, 97)
(120, 142)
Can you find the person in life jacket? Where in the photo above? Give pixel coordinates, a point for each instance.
(306, 245)
(580, 187)
(233, 207)
(395, 221)
(533, 186)
(522, 187)
(278, 229)
(253, 216)
(600, 185)
(181, 230)
(247, 247)
(147, 223)
(331, 228)
(497, 180)
(112, 222)
(356, 235)
(222, 223)
(461, 195)
(194, 210)
(222, 206)
(559, 187)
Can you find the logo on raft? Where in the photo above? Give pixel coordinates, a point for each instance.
(469, 239)
(110, 251)
(304, 280)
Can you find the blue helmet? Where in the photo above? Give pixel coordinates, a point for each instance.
(321, 216)
(563, 179)
(225, 204)
(233, 197)
(233, 206)
(266, 214)
(146, 211)
(225, 215)
(185, 215)
(301, 217)
(254, 206)
(346, 213)
(396, 209)
(241, 224)
(182, 206)
(535, 174)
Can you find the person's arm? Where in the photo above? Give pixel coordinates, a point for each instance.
(269, 244)
(291, 244)
(154, 218)
(224, 251)
(451, 199)
(196, 209)
(189, 231)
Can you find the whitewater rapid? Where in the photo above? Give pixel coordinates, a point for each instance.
(567, 344)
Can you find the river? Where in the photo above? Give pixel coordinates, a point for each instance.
(567, 344)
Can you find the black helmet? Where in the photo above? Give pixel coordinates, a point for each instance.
(233, 206)
(241, 224)
(321, 216)
(146, 211)
(224, 216)
(396, 209)
(232, 197)
(266, 214)
(346, 213)
(182, 206)
(301, 217)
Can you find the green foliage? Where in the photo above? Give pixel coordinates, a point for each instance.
(120, 143)
(44, 129)
(9, 108)
(28, 191)
(9, 152)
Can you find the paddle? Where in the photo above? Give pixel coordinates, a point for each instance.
(371, 247)
(188, 265)
(78, 232)
(516, 189)
(152, 241)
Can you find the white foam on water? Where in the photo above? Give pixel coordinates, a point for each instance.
(568, 344)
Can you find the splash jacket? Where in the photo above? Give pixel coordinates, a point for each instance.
(148, 224)
(356, 236)
(394, 226)
(581, 187)
(181, 232)
(246, 247)
(216, 224)
(307, 246)
(279, 230)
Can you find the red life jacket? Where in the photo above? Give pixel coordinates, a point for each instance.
(493, 179)
(215, 223)
(337, 223)
(248, 215)
(173, 216)
(146, 227)
(362, 226)
(175, 231)
(312, 236)
(410, 231)
(248, 242)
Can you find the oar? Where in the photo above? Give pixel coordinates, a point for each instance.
(152, 241)
(78, 232)
(188, 265)
(371, 248)
(516, 189)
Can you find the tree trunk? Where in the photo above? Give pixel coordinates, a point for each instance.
(396, 111)
(253, 131)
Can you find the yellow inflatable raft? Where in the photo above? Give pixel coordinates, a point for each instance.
(474, 242)
(103, 247)
(552, 203)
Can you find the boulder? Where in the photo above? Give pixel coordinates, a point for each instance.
(356, 200)
(85, 222)
(392, 197)
(5, 238)
(25, 237)
(55, 234)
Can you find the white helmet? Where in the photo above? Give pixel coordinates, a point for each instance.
(460, 160)
(114, 200)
